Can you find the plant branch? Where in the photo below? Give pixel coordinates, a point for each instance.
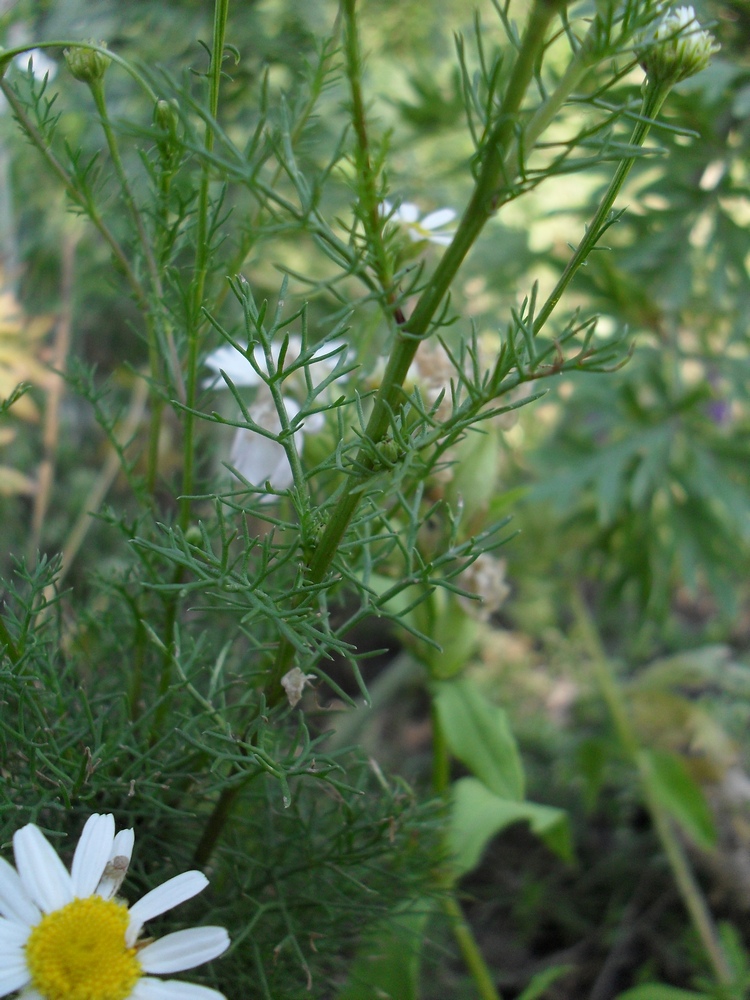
(76, 196)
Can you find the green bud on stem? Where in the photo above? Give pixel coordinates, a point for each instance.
(86, 64)
(677, 48)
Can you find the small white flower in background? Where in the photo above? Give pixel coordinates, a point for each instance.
(678, 48)
(64, 935)
(430, 228)
(256, 458)
(41, 64)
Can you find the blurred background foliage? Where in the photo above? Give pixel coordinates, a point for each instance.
(631, 488)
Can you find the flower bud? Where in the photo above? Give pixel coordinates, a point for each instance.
(87, 65)
(677, 49)
(194, 535)
(165, 117)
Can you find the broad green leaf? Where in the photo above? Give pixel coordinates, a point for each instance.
(456, 633)
(655, 991)
(478, 734)
(387, 964)
(681, 796)
(477, 815)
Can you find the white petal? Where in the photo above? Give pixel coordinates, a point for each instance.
(441, 239)
(315, 422)
(14, 900)
(43, 874)
(164, 897)
(437, 219)
(117, 864)
(14, 972)
(122, 846)
(172, 989)
(237, 367)
(13, 937)
(258, 459)
(30, 994)
(184, 949)
(92, 853)
(406, 212)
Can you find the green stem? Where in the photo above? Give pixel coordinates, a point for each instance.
(687, 885)
(469, 949)
(202, 257)
(482, 205)
(467, 945)
(194, 325)
(653, 98)
(480, 208)
(6, 640)
(157, 298)
(368, 193)
(8, 55)
(97, 92)
(216, 822)
(441, 764)
(76, 196)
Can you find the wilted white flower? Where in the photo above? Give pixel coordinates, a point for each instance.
(294, 683)
(64, 935)
(257, 458)
(485, 577)
(431, 228)
(678, 48)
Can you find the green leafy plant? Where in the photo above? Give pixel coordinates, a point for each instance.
(177, 697)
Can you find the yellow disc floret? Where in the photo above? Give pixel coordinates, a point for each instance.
(78, 952)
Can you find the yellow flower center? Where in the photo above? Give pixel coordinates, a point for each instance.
(78, 952)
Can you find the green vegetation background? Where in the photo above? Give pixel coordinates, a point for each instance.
(632, 488)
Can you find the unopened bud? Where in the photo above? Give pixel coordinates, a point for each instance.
(677, 49)
(87, 65)
(165, 117)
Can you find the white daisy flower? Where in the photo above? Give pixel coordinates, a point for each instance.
(65, 936)
(419, 230)
(257, 458)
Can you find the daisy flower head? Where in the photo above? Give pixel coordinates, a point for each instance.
(66, 936)
(678, 47)
(430, 228)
